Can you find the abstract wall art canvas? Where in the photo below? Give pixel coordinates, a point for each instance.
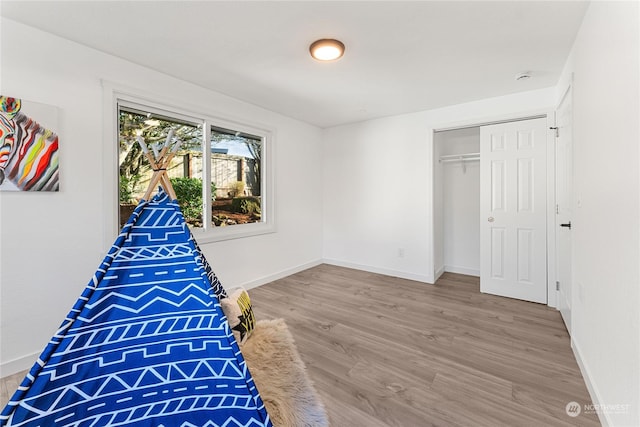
(28, 145)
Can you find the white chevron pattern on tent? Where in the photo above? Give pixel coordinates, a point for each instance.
(146, 343)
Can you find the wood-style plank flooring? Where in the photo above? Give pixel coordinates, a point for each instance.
(384, 351)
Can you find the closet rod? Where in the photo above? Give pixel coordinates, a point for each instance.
(469, 159)
(459, 157)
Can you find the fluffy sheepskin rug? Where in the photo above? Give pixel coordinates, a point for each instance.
(281, 378)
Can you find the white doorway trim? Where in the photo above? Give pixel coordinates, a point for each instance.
(564, 205)
(551, 236)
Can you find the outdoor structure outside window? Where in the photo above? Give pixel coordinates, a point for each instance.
(218, 174)
(237, 174)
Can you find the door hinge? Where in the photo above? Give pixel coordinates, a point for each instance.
(556, 209)
(557, 285)
(557, 130)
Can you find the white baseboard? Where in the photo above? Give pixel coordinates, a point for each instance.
(16, 365)
(439, 272)
(279, 275)
(26, 362)
(462, 270)
(591, 387)
(384, 271)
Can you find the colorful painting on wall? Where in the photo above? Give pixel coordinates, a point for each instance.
(28, 148)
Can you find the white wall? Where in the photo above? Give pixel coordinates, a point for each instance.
(606, 246)
(52, 243)
(375, 196)
(378, 184)
(460, 202)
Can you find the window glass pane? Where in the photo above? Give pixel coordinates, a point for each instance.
(236, 172)
(185, 169)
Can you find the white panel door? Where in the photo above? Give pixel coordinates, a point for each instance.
(513, 243)
(564, 206)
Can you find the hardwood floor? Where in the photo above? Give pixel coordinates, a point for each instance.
(8, 385)
(384, 351)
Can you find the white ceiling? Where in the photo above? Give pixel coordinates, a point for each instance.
(400, 56)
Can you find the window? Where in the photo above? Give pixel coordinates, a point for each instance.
(219, 173)
(237, 174)
(185, 170)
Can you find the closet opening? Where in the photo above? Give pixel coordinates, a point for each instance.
(457, 201)
(493, 198)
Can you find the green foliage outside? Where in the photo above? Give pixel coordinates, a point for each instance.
(236, 188)
(246, 205)
(189, 193)
(128, 187)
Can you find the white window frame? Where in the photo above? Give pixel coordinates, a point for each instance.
(115, 97)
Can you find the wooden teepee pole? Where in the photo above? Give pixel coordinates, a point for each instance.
(159, 166)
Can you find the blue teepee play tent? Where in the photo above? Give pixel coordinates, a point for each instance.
(146, 344)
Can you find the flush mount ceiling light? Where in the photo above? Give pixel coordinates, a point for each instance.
(326, 49)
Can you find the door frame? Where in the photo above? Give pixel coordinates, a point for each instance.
(567, 94)
(549, 114)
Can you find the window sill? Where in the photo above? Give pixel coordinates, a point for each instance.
(231, 232)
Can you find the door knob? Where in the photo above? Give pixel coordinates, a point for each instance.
(490, 219)
(568, 225)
